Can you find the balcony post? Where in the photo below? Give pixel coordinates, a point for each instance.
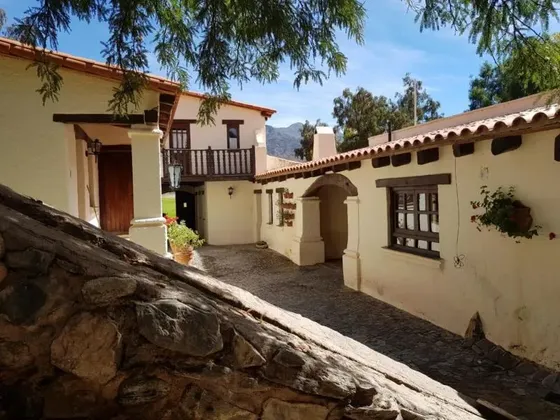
(253, 160)
(210, 161)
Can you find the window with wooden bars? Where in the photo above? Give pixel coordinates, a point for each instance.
(270, 207)
(415, 220)
(413, 213)
(180, 134)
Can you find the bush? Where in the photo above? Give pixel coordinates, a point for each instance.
(182, 237)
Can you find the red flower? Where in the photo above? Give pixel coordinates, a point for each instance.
(473, 219)
(552, 236)
(170, 220)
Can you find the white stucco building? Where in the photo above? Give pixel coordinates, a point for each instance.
(397, 213)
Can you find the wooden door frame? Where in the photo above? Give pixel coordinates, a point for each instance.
(121, 148)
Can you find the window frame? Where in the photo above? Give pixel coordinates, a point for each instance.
(270, 207)
(180, 125)
(416, 185)
(414, 234)
(233, 124)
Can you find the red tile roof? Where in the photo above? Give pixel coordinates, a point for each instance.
(476, 130)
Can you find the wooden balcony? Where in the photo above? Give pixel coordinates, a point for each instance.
(201, 165)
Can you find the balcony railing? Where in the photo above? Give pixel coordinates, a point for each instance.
(210, 164)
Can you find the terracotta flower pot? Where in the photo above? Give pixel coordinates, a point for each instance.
(522, 217)
(182, 255)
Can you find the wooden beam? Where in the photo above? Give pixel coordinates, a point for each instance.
(340, 167)
(233, 121)
(463, 149)
(505, 144)
(165, 98)
(307, 174)
(402, 159)
(557, 149)
(280, 190)
(354, 165)
(298, 175)
(427, 156)
(257, 191)
(380, 162)
(80, 134)
(104, 118)
(414, 181)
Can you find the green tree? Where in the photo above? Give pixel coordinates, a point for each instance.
(305, 151)
(508, 30)
(223, 42)
(509, 80)
(360, 114)
(427, 108)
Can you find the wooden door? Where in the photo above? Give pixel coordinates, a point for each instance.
(116, 200)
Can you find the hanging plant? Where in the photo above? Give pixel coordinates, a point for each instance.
(289, 216)
(288, 194)
(506, 214)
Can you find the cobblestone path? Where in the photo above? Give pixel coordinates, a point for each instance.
(318, 293)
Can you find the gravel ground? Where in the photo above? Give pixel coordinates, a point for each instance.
(318, 293)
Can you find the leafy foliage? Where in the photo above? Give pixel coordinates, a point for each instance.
(219, 41)
(182, 237)
(305, 151)
(511, 80)
(360, 114)
(500, 28)
(500, 209)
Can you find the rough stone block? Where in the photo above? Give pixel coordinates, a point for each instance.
(21, 302)
(3, 272)
(275, 409)
(14, 355)
(107, 289)
(32, 260)
(89, 346)
(175, 326)
(198, 403)
(140, 389)
(245, 355)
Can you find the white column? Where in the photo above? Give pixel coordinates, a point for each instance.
(258, 216)
(148, 226)
(308, 247)
(351, 257)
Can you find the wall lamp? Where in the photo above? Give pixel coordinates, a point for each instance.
(93, 147)
(230, 191)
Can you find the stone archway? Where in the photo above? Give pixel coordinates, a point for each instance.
(332, 191)
(336, 180)
(327, 226)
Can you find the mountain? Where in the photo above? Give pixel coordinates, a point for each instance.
(281, 141)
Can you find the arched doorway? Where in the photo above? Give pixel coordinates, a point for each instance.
(332, 190)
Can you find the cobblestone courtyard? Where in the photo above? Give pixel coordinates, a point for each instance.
(318, 293)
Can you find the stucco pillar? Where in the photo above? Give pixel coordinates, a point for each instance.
(351, 257)
(308, 247)
(148, 226)
(258, 216)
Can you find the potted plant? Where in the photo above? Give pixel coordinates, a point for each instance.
(183, 241)
(505, 213)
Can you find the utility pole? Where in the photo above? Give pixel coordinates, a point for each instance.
(415, 96)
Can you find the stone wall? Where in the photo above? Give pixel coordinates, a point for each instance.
(93, 326)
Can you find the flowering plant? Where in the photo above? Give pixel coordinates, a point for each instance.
(504, 213)
(182, 237)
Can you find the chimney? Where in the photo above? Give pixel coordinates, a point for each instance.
(324, 143)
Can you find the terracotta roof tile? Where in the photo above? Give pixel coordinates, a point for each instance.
(437, 137)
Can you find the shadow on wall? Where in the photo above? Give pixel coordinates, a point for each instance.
(334, 220)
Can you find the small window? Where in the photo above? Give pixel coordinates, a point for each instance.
(414, 224)
(180, 134)
(270, 207)
(280, 202)
(233, 136)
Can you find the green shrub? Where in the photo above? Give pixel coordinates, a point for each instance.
(181, 237)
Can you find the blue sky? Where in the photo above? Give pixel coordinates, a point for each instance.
(393, 46)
